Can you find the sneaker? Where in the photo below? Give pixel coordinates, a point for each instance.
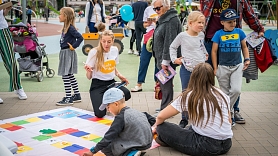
(161, 143)
(134, 153)
(238, 118)
(136, 53)
(233, 122)
(183, 123)
(130, 51)
(21, 94)
(66, 101)
(136, 89)
(1, 101)
(76, 98)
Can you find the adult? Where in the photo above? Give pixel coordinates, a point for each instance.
(8, 56)
(94, 12)
(146, 56)
(131, 25)
(183, 14)
(101, 68)
(167, 28)
(29, 14)
(138, 9)
(212, 10)
(209, 112)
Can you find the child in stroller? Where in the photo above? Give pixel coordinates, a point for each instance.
(30, 51)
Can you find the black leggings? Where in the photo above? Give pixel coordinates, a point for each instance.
(97, 89)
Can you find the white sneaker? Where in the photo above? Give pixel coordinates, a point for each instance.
(21, 94)
(130, 51)
(1, 101)
(136, 52)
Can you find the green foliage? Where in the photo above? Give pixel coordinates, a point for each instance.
(53, 9)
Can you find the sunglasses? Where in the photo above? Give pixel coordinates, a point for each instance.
(157, 8)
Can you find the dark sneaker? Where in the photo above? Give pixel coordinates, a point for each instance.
(183, 123)
(233, 122)
(238, 118)
(66, 101)
(76, 98)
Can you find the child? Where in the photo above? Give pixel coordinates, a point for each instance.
(101, 70)
(229, 42)
(101, 27)
(209, 111)
(130, 131)
(192, 49)
(70, 39)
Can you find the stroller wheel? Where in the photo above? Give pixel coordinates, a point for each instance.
(39, 76)
(50, 73)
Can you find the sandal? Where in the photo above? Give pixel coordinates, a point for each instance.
(136, 89)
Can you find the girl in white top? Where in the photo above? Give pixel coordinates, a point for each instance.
(101, 68)
(209, 112)
(193, 50)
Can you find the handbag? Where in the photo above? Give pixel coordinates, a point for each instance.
(157, 92)
(149, 45)
(98, 22)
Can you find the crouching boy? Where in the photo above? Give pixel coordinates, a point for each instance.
(130, 131)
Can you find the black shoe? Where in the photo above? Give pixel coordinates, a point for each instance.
(183, 123)
(238, 118)
(76, 98)
(66, 101)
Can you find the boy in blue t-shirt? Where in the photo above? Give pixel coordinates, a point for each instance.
(229, 42)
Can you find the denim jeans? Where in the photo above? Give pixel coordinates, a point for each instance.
(236, 108)
(189, 142)
(145, 58)
(140, 30)
(92, 28)
(184, 76)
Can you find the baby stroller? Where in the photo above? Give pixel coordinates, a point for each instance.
(31, 52)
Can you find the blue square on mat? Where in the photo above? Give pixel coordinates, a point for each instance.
(45, 117)
(67, 114)
(79, 134)
(86, 116)
(73, 148)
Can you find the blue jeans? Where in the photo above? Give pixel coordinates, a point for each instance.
(145, 58)
(208, 45)
(184, 76)
(189, 142)
(92, 28)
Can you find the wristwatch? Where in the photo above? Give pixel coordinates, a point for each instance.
(246, 59)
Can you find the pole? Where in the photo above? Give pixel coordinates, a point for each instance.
(64, 2)
(23, 4)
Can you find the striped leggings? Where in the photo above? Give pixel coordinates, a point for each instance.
(70, 83)
(7, 54)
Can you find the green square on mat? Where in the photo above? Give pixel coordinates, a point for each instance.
(42, 137)
(97, 140)
(20, 122)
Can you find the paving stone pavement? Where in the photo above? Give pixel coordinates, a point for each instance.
(257, 137)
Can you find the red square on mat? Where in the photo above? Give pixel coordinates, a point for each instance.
(95, 119)
(18, 144)
(80, 152)
(69, 130)
(14, 128)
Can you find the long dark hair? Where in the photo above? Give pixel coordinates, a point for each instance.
(98, 1)
(202, 92)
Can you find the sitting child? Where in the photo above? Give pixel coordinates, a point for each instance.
(130, 131)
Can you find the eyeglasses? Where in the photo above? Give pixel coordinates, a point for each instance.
(157, 8)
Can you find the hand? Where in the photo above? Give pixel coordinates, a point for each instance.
(123, 79)
(70, 46)
(108, 17)
(207, 56)
(215, 71)
(87, 67)
(260, 34)
(164, 67)
(88, 154)
(178, 61)
(154, 129)
(246, 64)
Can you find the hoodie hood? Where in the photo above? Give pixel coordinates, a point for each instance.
(168, 15)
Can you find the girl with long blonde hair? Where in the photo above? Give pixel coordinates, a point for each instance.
(101, 68)
(209, 113)
(70, 40)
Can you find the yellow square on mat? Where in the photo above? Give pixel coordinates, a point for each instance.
(62, 144)
(90, 137)
(35, 119)
(23, 149)
(105, 121)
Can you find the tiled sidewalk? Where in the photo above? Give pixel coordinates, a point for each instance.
(257, 137)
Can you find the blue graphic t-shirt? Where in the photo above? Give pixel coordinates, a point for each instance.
(229, 46)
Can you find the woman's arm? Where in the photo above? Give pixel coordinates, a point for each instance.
(120, 76)
(87, 8)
